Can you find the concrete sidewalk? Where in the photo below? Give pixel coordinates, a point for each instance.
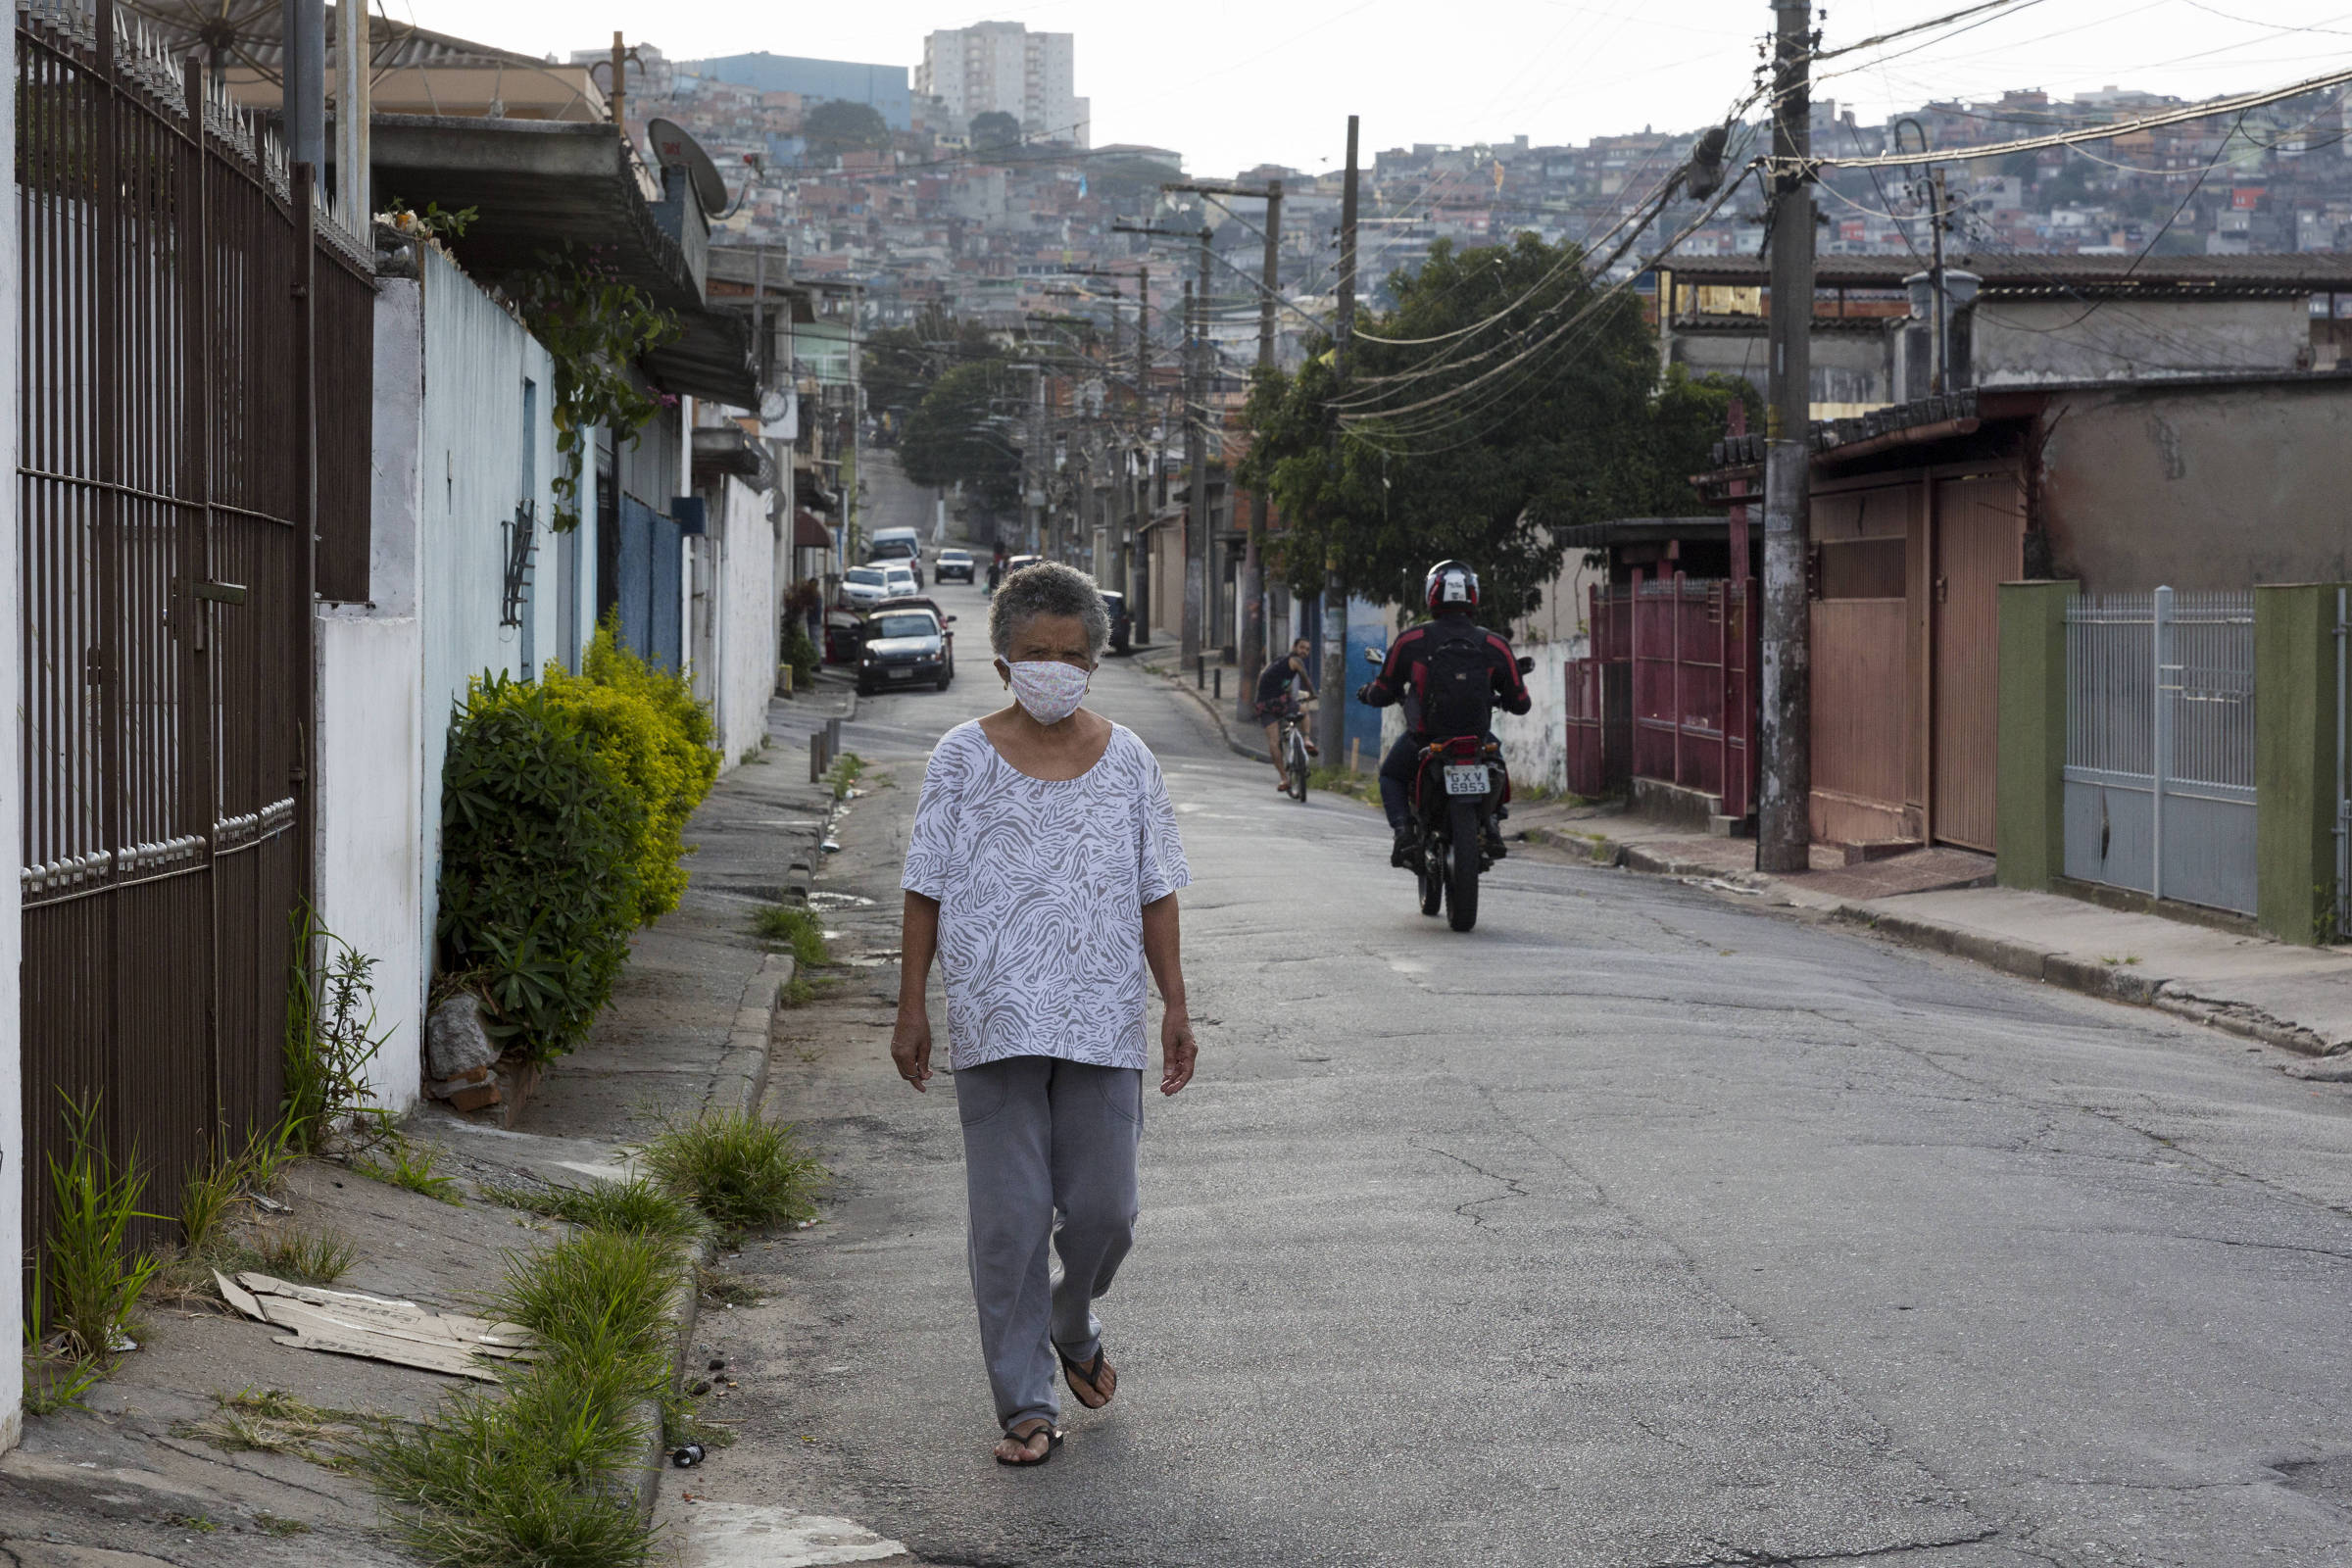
(2214, 971)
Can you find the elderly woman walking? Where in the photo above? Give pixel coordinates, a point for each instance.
(1042, 872)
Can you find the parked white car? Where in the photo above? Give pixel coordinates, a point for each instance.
(862, 587)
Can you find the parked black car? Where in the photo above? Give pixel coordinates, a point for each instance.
(1122, 626)
(902, 648)
(952, 565)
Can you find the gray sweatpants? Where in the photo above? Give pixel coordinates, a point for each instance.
(1046, 1140)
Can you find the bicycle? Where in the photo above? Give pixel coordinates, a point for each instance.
(1294, 763)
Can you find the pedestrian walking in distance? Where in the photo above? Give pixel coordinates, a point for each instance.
(1041, 874)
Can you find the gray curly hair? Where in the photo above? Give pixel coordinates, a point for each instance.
(1048, 588)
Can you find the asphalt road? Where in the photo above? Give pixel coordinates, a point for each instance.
(1635, 1228)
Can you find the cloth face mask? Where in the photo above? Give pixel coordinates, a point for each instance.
(1049, 689)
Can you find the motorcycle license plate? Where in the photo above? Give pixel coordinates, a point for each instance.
(1465, 778)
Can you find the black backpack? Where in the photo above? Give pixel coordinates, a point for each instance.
(1457, 698)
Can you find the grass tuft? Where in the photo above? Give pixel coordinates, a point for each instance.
(87, 1294)
(597, 1298)
(638, 1207)
(273, 1421)
(410, 1166)
(743, 1172)
(798, 928)
(310, 1258)
(541, 1474)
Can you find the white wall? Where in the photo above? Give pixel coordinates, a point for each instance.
(743, 604)
(454, 453)
(371, 718)
(1535, 744)
(12, 1097)
(473, 454)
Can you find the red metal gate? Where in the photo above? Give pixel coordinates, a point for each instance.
(169, 479)
(1667, 691)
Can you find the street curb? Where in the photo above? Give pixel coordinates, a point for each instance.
(2089, 977)
(736, 1089)
(741, 1081)
(1224, 725)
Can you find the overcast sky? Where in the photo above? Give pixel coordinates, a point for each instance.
(1233, 84)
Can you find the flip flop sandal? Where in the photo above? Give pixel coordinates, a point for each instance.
(1072, 1371)
(1053, 1436)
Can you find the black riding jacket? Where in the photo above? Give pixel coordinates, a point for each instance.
(1406, 673)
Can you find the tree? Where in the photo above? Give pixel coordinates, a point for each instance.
(995, 130)
(955, 436)
(1535, 408)
(839, 126)
(900, 363)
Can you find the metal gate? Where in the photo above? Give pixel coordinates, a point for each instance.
(2160, 745)
(174, 459)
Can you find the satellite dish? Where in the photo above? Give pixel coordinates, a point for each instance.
(673, 148)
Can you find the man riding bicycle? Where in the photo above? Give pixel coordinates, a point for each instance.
(1276, 704)
(1450, 673)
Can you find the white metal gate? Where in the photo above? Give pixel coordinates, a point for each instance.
(2160, 745)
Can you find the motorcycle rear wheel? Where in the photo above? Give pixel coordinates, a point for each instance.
(1461, 891)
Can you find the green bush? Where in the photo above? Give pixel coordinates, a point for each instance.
(540, 845)
(800, 653)
(657, 740)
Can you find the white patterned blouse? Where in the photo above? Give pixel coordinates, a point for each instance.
(1041, 886)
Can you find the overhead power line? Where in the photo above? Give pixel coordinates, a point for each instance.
(2208, 110)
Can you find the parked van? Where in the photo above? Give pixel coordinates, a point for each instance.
(897, 543)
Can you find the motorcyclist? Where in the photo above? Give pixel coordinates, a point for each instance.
(1455, 650)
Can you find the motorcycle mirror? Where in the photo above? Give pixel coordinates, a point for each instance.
(1376, 656)
(1527, 665)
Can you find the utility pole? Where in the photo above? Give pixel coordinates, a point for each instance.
(1941, 348)
(1784, 783)
(1251, 635)
(1331, 719)
(1250, 608)
(1139, 488)
(620, 93)
(353, 61)
(304, 24)
(1199, 613)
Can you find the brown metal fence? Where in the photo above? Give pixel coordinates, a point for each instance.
(171, 266)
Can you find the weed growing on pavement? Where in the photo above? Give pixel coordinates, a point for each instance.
(204, 1524)
(1342, 781)
(743, 1172)
(796, 928)
(542, 1473)
(797, 992)
(206, 1200)
(718, 1288)
(273, 1421)
(309, 1258)
(88, 1286)
(638, 1207)
(410, 1166)
(269, 1523)
(845, 772)
(594, 1298)
(330, 1039)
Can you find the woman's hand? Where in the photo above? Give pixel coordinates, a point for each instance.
(910, 1046)
(1177, 1050)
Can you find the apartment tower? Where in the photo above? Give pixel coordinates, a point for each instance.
(1003, 65)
